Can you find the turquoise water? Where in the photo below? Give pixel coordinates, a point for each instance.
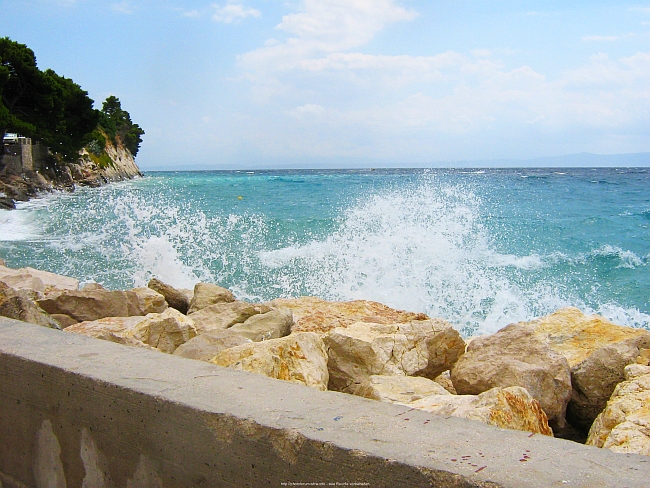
(481, 248)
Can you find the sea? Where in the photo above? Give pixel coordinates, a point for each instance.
(481, 248)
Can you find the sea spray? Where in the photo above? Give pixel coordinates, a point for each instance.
(481, 250)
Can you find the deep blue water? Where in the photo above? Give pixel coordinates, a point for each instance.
(482, 248)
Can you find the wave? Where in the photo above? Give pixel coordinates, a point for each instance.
(421, 246)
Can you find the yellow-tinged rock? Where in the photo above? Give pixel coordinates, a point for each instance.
(508, 408)
(624, 425)
(418, 348)
(150, 301)
(298, 358)
(311, 314)
(576, 336)
(163, 331)
(597, 352)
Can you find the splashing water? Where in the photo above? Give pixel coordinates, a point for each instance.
(447, 244)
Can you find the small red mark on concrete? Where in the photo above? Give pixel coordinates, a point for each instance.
(531, 434)
(454, 459)
(480, 469)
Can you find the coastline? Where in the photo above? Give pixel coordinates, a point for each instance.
(22, 180)
(565, 375)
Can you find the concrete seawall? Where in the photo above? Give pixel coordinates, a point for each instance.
(76, 411)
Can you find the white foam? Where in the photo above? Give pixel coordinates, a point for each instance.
(17, 225)
(421, 248)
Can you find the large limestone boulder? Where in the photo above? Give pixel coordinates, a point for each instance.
(508, 408)
(270, 325)
(597, 352)
(624, 425)
(399, 389)
(150, 301)
(206, 347)
(162, 331)
(206, 294)
(418, 348)
(35, 279)
(88, 305)
(298, 358)
(515, 356)
(221, 316)
(312, 314)
(16, 304)
(175, 298)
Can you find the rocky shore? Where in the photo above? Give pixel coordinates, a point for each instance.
(566, 374)
(19, 183)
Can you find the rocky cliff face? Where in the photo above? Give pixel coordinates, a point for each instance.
(121, 167)
(24, 177)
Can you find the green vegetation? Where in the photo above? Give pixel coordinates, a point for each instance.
(53, 109)
(117, 124)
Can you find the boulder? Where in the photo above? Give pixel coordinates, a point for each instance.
(312, 314)
(399, 389)
(515, 356)
(21, 308)
(597, 352)
(221, 316)
(165, 331)
(270, 325)
(37, 280)
(624, 424)
(162, 331)
(508, 408)
(206, 347)
(19, 279)
(150, 301)
(418, 348)
(206, 294)
(175, 298)
(97, 304)
(298, 358)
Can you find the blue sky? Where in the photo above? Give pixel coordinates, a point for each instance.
(300, 83)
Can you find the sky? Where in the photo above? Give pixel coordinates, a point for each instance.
(347, 83)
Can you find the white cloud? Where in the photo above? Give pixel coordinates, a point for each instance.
(326, 26)
(601, 38)
(124, 7)
(190, 13)
(308, 109)
(233, 11)
(389, 105)
(342, 24)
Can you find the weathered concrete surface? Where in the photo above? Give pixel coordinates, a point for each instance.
(77, 408)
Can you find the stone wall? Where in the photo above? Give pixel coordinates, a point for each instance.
(77, 411)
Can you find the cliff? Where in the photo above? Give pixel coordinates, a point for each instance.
(28, 169)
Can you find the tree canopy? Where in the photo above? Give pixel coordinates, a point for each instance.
(117, 123)
(54, 109)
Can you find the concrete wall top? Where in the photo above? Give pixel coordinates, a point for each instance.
(77, 411)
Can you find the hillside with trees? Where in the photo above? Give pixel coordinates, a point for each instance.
(57, 112)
